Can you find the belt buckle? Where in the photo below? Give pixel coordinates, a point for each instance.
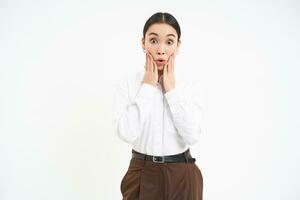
(161, 159)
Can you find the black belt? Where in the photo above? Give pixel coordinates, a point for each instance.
(181, 157)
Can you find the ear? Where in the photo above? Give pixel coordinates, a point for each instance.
(143, 42)
(178, 46)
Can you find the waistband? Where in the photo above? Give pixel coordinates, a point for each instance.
(181, 157)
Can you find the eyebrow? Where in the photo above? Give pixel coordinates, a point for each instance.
(157, 34)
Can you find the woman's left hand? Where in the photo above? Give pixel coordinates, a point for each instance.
(168, 74)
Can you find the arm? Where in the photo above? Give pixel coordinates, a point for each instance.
(130, 115)
(187, 112)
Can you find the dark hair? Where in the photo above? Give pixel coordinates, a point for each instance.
(162, 17)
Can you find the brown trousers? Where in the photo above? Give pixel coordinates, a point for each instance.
(145, 180)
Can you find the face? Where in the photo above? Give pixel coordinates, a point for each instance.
(161, 42)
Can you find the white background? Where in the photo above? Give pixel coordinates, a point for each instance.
(58, 63)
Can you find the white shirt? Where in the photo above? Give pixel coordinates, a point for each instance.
(155, 122)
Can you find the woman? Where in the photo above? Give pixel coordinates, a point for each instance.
(160, 117)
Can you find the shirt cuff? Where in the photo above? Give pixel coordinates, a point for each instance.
(146, 91)
(173, 96)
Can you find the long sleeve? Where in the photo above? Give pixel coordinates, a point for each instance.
(130, 113)
(187, 112)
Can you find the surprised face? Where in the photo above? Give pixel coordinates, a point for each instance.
(161, 42)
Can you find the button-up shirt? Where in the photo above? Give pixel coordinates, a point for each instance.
(156, 122)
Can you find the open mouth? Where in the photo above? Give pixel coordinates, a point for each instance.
(160, 61)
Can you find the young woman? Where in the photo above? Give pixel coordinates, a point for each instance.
(159, 116)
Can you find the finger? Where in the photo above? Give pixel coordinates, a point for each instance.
(146, 58)
(173, 62)
(155, 69)
(152, 63)
(169, 64)
(146, 65)
(154, 66)
(165, 69)
(147, 62)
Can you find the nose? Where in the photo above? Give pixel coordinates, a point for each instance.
(160, 50)
(161, 53)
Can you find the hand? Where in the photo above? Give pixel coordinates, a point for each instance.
(151, 74)
(168, 75)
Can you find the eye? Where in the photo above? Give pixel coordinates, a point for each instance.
(170, 42)
(152, 40)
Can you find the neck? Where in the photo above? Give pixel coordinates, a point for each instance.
(160, 73)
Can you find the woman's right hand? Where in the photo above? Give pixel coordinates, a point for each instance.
(151, 74)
